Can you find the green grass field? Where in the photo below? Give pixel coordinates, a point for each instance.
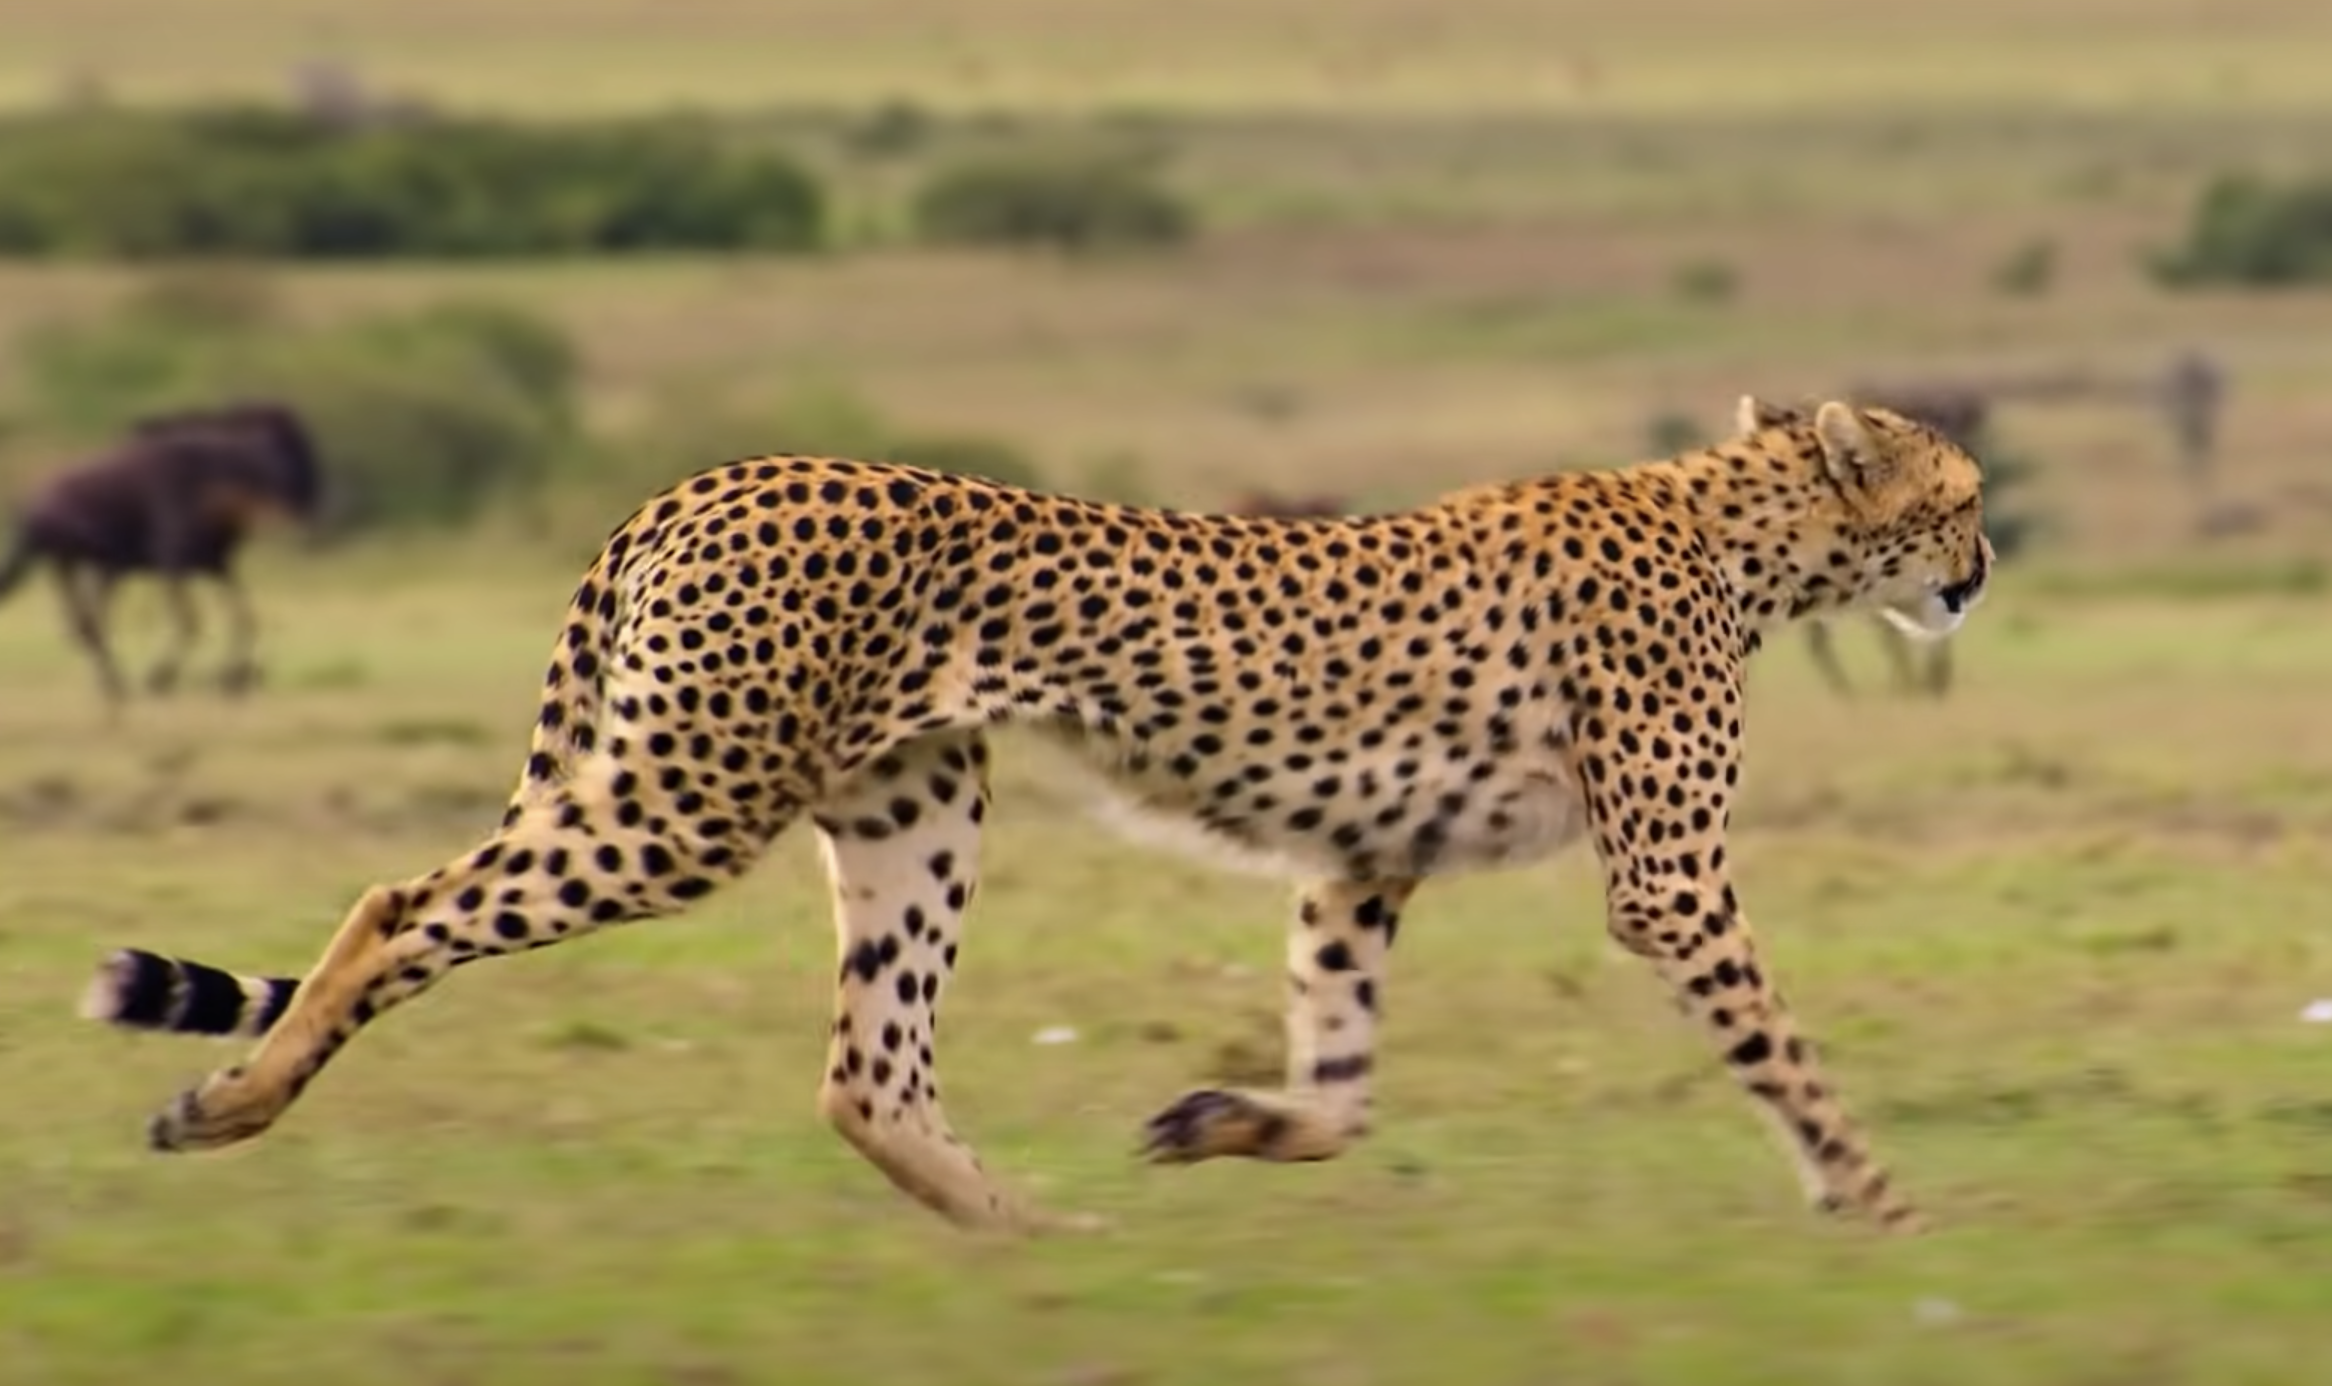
(2055, 935)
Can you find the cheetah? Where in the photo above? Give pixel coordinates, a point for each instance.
(1353, 703)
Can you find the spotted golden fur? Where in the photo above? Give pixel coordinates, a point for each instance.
(1361, 703)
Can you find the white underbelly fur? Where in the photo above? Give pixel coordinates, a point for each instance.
(1527, 811)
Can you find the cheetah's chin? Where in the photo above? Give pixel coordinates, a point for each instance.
(1930, 621)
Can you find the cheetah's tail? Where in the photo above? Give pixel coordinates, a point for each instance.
(138, 990)
(568, 728)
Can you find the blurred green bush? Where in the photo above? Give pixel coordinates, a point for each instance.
(259, 182)
(690, 429)
(429, 417)
(2246, 230)
(1051, 199)
(422, 418)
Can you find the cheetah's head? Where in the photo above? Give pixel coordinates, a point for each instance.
(1908, 504)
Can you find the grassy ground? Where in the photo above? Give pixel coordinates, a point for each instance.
(2057, 934)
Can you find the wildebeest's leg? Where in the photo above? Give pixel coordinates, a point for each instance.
(185, 629)
(1902, 657)
(1939, 669)
(242, 667)
(88, 594)
(1826, 659)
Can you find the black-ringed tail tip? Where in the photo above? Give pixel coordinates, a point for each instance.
(138, 990)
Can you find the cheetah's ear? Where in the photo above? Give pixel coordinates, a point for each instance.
(1753, 414)
(1853, 454)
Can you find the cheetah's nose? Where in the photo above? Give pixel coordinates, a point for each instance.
(1956, 596)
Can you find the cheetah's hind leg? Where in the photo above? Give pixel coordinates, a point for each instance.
(566, 865)
(902, 848)
(1337, 947)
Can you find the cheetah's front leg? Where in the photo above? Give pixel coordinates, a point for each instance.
(1337, 948)
(1659, 808)
(1695, 935)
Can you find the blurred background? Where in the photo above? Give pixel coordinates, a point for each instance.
(2055, 893)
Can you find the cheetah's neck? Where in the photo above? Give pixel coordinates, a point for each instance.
(1774, 522)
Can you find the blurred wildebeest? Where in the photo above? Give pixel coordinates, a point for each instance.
(1261, 502)
(176, 498)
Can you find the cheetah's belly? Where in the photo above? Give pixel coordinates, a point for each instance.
(1349, 814)
(1525, 812)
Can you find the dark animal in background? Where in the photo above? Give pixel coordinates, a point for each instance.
(1958, 412)
(1925, 669)
(176, 499)
(1273, 504)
